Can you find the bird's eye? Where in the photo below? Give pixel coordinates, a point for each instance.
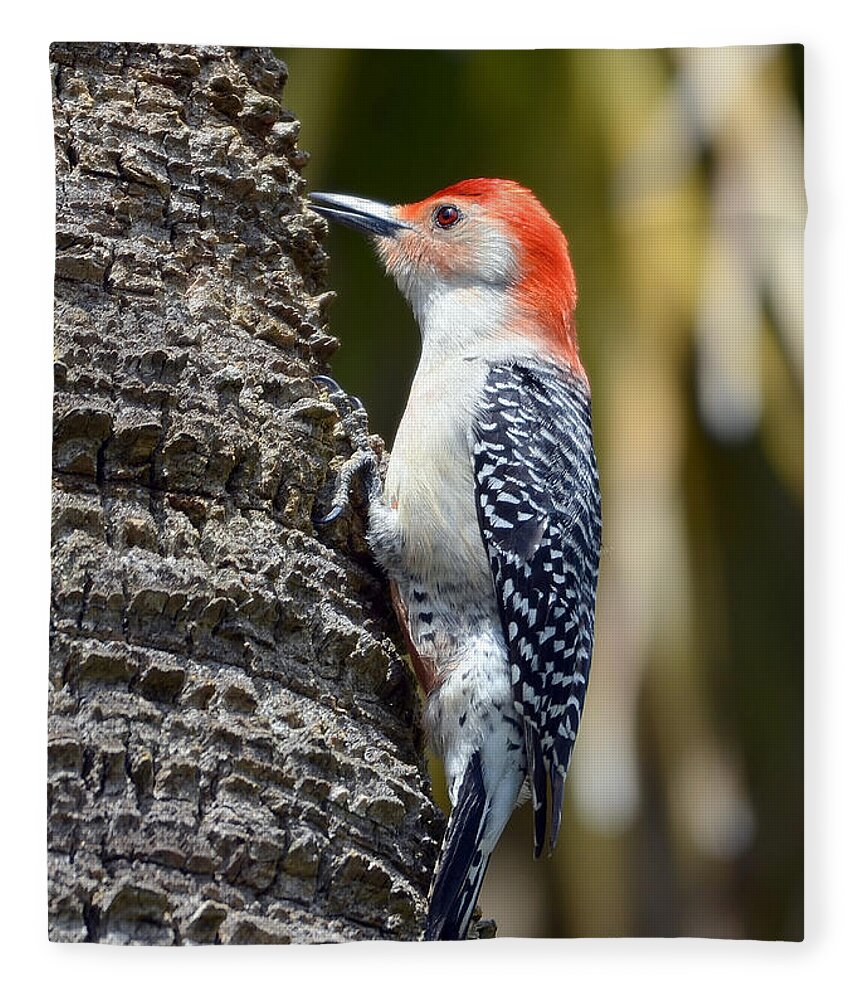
(447, 216)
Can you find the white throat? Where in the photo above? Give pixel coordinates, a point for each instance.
(458, 320)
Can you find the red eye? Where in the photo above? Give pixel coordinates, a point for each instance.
(447, 216)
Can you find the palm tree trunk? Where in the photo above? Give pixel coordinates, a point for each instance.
(233, 749)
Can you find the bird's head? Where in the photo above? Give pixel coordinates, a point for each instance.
(478, 236)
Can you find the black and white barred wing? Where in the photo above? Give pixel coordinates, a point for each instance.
(538, 504)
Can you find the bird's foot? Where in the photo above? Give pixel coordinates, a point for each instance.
(363, 463)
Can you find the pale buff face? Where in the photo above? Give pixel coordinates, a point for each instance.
(426, 256)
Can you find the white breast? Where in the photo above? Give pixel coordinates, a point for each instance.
(430, 480)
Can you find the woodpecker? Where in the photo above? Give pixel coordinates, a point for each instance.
(488, 525)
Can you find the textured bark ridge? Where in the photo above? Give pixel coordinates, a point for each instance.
(233, 748)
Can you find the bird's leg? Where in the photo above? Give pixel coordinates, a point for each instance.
(363, 462)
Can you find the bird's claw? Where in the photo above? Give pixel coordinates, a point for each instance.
(363, 461)
(344, 403)
(329, 518)
(327, 382)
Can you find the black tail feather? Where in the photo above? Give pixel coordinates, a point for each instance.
(462, 863)
(537, 770)
(557, 803)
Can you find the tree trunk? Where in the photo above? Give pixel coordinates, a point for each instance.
(233, 744)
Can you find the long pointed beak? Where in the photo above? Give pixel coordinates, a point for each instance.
(366, 216)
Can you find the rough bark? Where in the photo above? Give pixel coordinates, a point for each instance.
(233, 750)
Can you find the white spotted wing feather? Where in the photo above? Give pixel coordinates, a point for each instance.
(538, 504)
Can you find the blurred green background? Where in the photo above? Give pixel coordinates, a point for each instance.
(677, 176)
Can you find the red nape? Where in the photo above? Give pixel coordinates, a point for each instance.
(547, 286)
